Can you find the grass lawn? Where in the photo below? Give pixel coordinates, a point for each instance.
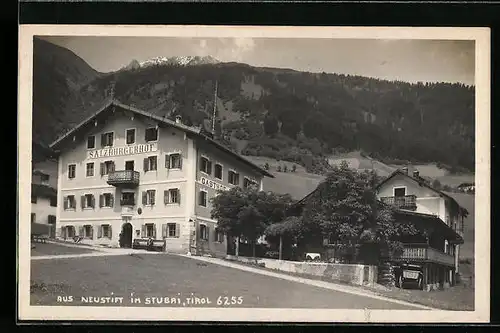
(171, 277)
(45, 249)
(459, 298)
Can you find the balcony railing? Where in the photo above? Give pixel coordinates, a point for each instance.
(405, 202)
(422, 252)
(123, 177)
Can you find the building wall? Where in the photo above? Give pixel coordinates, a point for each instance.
(42, 209)
(428, 201)
(48, 167)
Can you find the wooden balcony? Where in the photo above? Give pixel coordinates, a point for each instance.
(124, 178)
(408, 202)
(424, 253)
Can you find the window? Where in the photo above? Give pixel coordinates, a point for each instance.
(205, 165)
(148, 197)
(130, 136)
(151, 134)
(203, 198)
(219, 236)
(71, 171)
(173, 161)
(33, 198)
(51, 219)
(107, 168)
(44, 178)
(105, 231)
(88, 201)
(70, 231)
(218, 171)
(129, 165)
(33, 217)
(203, 232)
(88, 231)
(107, 139)
(399, 191)
(248, 182)
(91, 142)
(70, 202)
(233, 178)
(172, 196)
(128, 199)
(90, 169)
(149, 230)
(106, 200)
(172, 230)
(53, 202)
(150, 163)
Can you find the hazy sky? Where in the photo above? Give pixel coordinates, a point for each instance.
(405, 60)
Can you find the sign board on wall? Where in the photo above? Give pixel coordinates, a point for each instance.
(123, 151)
(210, 183)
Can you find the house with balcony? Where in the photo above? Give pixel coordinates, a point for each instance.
(431, 210)
(125, 174)
(43, 190)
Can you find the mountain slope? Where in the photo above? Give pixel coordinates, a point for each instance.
(57, 74)
(295, 116)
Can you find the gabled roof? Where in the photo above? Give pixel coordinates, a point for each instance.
(422, 182)
(193, 131)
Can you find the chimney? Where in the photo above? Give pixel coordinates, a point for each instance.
(405, 170)
(416, 174)
(178, 119)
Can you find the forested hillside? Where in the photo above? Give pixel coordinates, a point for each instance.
(278, 113)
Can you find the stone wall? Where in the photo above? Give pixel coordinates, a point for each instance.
(347, 273)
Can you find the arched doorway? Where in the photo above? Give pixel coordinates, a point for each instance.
(126, 235)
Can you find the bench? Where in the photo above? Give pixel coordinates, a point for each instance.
(149, 244)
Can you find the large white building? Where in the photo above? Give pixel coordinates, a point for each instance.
(127, 172)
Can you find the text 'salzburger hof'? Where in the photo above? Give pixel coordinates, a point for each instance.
(175, 300)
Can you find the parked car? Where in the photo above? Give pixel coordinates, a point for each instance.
(409, 275)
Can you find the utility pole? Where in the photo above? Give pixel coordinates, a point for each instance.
(215, 107)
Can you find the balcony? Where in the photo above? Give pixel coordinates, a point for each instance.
(125, 178)
(408, 202)
(424, 253)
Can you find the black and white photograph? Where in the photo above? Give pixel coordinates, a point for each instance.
(287, 174)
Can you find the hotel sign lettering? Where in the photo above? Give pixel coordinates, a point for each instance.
(210, 183)
(122, 151)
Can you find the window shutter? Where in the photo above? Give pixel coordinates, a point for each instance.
(146, 165)
(143, 231)
(209, 167)
(155, 163)
(144, 198)
(80, 231)
(93, 201)
(154, 231)
(178, 196)
(101, 200)
(103, 166)
(177, 230)
(208, 234)
(103, 138)
(82, 203)
(112, 200)
(201, 164)
(167, 161)
(91, 232)
(237, 179)
(65, 202)
(153, 193)
(180, 161)
(61, 232)
(99, 231)
(165, 196)
(110, 232)
(164, 230)
(112, 167)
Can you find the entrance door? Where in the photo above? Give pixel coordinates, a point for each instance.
(129, 165)
(126, 236)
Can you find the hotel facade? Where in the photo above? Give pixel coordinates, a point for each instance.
(126, 175)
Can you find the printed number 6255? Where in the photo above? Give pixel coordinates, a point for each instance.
(226, 300)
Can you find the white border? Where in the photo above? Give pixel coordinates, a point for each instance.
(482, 199)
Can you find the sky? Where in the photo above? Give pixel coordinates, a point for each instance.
(409, 60)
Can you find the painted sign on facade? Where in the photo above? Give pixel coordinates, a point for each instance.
(210, 183)
(122, 151)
